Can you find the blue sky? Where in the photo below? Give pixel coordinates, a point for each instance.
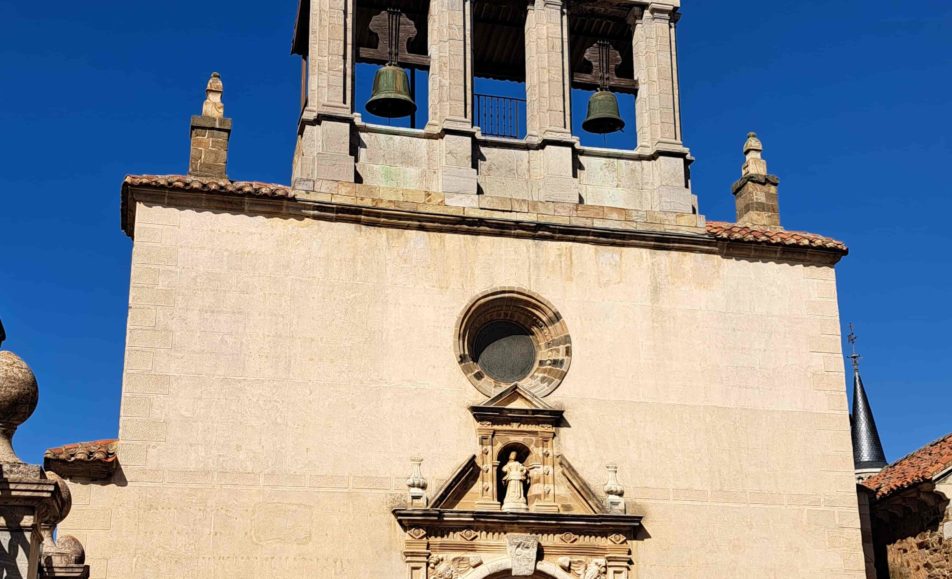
(851, 99)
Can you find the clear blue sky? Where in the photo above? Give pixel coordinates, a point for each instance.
(851, 99)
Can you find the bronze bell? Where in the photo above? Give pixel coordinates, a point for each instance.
(603, 116)
(391, 95)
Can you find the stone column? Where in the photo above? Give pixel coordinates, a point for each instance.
(617, 566)
(547, 87)
(548, 116)
(416, 554)
(450, 34)
(330, 60)
(451, 112)
(655, 59)
(322, 156)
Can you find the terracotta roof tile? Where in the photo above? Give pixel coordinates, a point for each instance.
(921, 466)
(94, 460)
(733, 232)
(210, 185)
(98, 450)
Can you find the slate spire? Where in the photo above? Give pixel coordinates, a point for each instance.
(868, 455)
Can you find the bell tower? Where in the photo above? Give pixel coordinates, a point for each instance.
(495, 152)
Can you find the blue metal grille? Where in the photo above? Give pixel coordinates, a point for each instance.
(499, 116)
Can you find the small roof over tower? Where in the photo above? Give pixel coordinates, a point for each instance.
(868, 454)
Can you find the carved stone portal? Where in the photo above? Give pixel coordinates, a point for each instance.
(518, 507)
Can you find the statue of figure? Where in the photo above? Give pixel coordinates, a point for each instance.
(596, 569)
(514, 475)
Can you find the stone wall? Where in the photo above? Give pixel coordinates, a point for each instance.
(926, 556)
(280, 373)
(406, 159)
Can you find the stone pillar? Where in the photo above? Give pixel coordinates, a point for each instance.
(616, 566)
(330, 64)
(756, 193)
(655, 59)
(28, 498)
(451, 100)
(547, 87)
(210, 132)
(451, 65)
(322, 156)
(416, 554)
(548, 115)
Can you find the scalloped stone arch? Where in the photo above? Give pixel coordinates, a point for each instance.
(538, 316)
(498, 566)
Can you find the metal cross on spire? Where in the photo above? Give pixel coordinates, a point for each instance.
(852, 339)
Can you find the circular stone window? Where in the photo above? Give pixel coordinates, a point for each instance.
(510, 336)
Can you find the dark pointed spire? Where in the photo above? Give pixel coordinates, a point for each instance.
(867, 448)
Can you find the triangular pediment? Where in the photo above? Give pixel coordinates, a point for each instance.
(516, 403)
(572, 493)
(516, 396)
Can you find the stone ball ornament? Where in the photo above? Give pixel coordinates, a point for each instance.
(18, 398)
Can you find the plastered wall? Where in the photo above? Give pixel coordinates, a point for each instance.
(280, 374)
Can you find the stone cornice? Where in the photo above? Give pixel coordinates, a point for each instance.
(607, 524)
(759, 179)
(266, 199)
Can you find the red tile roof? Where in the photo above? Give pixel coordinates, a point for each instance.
(733, 232)
(209, 185)
(95, 460)
(921, 466)
(98, 450)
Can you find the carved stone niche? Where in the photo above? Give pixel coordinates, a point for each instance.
(566, 530)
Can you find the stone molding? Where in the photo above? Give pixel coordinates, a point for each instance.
(437, 217)
(538, 316)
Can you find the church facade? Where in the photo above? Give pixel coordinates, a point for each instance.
(442, 353)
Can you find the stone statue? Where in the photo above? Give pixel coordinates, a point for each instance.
(596, 569)
(514, 477)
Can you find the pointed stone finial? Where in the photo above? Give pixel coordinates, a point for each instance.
(214, 107)
(756, 193)
(753, 151)
(416, 485)
(614, 491)
(18, 398)
(210, 133)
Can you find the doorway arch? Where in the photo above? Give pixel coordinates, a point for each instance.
(497, 570)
